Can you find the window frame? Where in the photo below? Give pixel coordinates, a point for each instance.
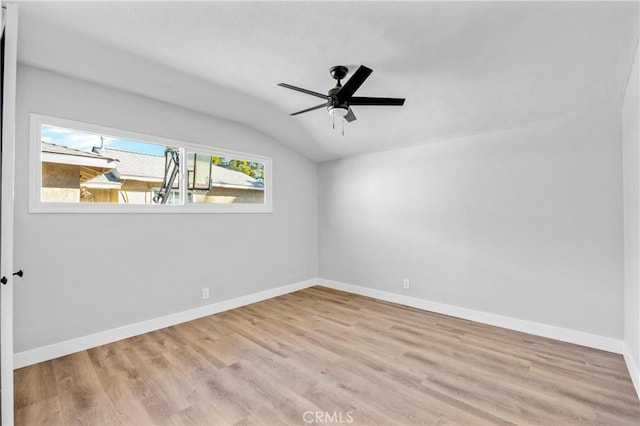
(35, 173)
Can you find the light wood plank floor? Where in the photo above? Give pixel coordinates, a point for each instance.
(347, 357)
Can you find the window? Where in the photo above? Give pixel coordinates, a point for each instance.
(224, 179)
(78, 167)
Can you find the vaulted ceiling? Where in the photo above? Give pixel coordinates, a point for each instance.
(464, 67)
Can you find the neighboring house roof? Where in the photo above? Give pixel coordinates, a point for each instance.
(136, 166)
(229, 178)
(52, 153)
(60, 149)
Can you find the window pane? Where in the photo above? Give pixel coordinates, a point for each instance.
(199, 168)
(173, 197)
(83, 167)
(224, 180)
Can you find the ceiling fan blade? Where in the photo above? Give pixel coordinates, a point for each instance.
(354, 83)
(311, 109)
(376, 101)
(350, 116)
(300, 89)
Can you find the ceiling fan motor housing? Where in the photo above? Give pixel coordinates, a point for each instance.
(335, 107)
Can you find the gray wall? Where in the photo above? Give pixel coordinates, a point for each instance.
(631, 176)
(524, 223)
(88, 273)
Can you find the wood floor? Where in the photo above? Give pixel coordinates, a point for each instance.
(323, 356)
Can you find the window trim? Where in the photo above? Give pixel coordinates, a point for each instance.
(35, 173)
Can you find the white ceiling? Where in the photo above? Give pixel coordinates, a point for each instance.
(464, 67)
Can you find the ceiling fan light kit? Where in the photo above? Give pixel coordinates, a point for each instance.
(338, 111)
(340, 98)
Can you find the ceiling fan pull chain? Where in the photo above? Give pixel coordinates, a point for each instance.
(333, 117)
(343, 127)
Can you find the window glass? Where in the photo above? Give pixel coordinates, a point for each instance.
(225, 180)
(199, 168)
(83, 167)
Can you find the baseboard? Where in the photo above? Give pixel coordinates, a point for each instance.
(558, 333)
(634, 371)
(45, 353)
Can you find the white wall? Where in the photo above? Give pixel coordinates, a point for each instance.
(631, 177)
(89, 273)
(524, 223)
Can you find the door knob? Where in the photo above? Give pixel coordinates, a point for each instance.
(4, 280)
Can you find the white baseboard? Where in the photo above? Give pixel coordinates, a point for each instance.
(564, 334)
(634, 371)
(45, 353)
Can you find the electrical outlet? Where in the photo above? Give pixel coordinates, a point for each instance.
(205, 293)
(405, 283)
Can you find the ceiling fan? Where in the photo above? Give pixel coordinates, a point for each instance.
(340, 98)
